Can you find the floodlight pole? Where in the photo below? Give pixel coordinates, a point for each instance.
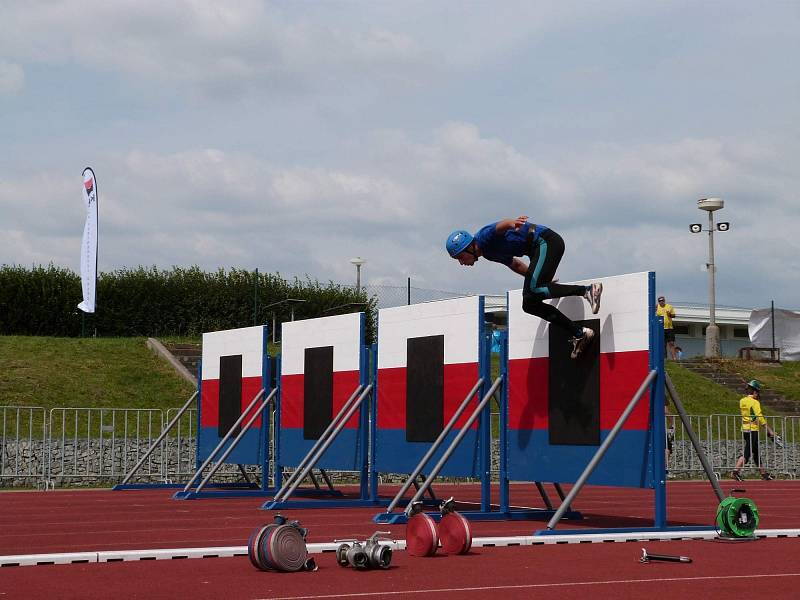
(358, 261)
(712, 331)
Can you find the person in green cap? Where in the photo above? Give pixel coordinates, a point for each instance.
(752, 419)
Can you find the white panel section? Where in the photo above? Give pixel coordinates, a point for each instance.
(458, 320)
(624, 314)
(171, 553)
(343, 332)
(247, 341)
(60, 558)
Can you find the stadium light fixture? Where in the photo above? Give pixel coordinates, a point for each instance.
(358, 261)
(712, 331)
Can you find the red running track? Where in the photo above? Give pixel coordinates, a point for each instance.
(71, 521)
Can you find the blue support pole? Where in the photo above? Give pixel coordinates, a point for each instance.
(657, 424)
(276, 433)
(263, 435)
(197, 461)
(373, 428)
(363, 426)
(484, 425)
(504, 482)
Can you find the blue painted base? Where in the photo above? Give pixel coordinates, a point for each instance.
(396, 455)
(343, 453)
(224, 493)
(246, 452)
(533, 514)
(148, 486)
(625, 530)
(239, 491)
(626, 464)
(344, 503)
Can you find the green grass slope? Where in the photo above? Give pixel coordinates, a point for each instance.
(701, 396)
(86, 372)
(783, 378)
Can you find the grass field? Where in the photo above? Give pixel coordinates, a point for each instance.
(86, 372)
(783, 378)
(701, 396)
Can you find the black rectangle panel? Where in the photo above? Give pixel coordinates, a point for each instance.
(574, 389)
(230, 393)
(317, 391)
(424, 388)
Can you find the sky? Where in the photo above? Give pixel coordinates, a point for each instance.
(294, 136)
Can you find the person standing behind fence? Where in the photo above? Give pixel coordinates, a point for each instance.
(752, 419)
(665, 310)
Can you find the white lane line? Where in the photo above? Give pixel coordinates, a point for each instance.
(530, 586)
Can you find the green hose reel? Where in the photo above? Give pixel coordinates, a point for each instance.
(737, 517)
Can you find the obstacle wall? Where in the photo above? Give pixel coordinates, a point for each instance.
(429, 357)
(233, 371)
(560, 409)
(322, 364)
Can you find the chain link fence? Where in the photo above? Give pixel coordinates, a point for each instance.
(389, 296)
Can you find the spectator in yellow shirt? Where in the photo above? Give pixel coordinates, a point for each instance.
(752, 419)
(665, 310)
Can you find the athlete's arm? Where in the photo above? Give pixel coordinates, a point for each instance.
(518, 266)
(506, 224)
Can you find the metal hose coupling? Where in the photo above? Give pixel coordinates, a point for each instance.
(370, 554)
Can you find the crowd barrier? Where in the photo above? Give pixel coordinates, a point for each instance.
(78, 445)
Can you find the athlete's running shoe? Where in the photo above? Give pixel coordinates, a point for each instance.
(592, 296)
(736, 476)
(767, 477)
(579, 344)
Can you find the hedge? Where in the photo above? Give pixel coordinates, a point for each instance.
(154, 302)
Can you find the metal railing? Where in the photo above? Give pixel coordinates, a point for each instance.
(179, 454)
(100, 445)
(721, 437)
(22, 443)
(90, 443)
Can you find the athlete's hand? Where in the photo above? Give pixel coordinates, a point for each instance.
(520, 221)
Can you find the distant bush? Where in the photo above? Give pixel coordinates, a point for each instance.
(154, 302)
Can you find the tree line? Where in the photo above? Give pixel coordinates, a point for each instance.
(147, 301)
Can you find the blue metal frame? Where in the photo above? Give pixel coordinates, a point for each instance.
(322, 498)
(486, 512)
(657, 434)
(239, 490)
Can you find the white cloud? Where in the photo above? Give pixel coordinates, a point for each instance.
(374, 129)
(620, 208)
(12, 78)
(224, 48)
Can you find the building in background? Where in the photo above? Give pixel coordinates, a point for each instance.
(690, 324)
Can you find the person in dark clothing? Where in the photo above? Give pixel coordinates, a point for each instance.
(505, 242)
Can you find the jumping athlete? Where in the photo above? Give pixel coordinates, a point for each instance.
(509, 239)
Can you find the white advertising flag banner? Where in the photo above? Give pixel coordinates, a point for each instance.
(89, 245)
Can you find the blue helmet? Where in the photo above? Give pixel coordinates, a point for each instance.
(458, 241)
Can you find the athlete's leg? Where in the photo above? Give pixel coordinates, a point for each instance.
(538, 284)
(545, 258)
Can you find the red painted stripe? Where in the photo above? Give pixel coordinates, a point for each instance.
(458, 380)
(292, 395)
(621, 374)
(209, 402)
